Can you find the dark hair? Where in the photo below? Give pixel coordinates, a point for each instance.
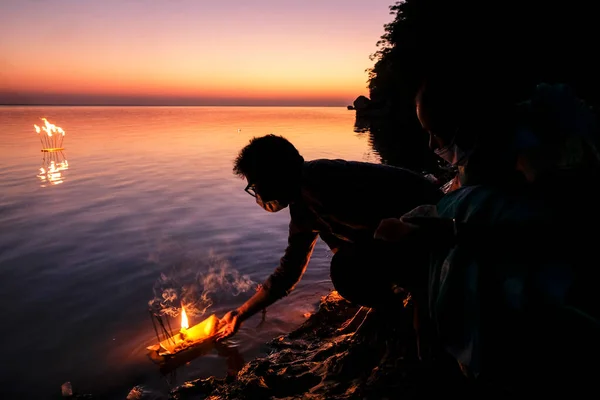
(481, 109)
(439, 100)
(482, 112)
(267, 156)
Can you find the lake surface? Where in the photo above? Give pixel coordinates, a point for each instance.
(143, 192)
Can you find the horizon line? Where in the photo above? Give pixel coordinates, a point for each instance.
(163, 105)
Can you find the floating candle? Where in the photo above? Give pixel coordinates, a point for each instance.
(188, 337)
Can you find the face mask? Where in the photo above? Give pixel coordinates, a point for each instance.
(270, 206)
(453, 154)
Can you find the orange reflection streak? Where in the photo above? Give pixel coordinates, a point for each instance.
(51, 171)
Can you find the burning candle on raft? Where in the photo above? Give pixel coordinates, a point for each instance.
(203, 330)
(52, 138)
(190, 336)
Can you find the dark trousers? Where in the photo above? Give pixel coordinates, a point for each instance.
(369, 273)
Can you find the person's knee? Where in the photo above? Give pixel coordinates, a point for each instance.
(344, 275)
(358, 280)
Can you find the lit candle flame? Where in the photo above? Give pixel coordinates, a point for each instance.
(54, 135)
(184, 319)
(51, 128)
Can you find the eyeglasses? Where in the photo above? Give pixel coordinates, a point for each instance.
(251, 189)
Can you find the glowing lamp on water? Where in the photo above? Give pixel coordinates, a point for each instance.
(188, 337)
(54, 161)
(52, 138)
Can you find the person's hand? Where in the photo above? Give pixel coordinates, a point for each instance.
(428, 225)
(393, 230)
(229, 325)
(411, 224)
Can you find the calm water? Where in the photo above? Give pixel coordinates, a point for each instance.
(147, 191)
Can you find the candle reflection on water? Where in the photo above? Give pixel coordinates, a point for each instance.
(53, 166)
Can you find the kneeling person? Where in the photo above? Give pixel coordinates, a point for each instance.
(342, 202)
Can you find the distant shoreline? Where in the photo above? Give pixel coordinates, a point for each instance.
(165, 105)
(170, 105)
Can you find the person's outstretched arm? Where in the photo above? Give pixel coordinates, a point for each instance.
(281, 282)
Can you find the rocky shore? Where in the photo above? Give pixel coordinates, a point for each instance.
(335, 356)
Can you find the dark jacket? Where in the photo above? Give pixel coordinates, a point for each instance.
(519, 285)
(343, 202)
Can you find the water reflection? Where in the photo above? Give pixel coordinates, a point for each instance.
(398, 144)
(54, 163)
(130, 218)
(361, 125)
(235, 360)
(168, 366)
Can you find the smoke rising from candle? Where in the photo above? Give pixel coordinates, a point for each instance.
(198, 288)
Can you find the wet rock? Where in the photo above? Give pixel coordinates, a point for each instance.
(361, 103)
(68, 393)
(319, 360)
(142, 393)
(66, 389)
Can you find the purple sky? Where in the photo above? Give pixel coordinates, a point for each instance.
(187, 51)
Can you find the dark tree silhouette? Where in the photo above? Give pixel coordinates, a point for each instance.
(507, 46)
(519, 43)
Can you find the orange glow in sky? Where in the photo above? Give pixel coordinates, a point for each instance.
(203, 51)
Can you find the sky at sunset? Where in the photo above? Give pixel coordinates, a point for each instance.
(187, 52)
